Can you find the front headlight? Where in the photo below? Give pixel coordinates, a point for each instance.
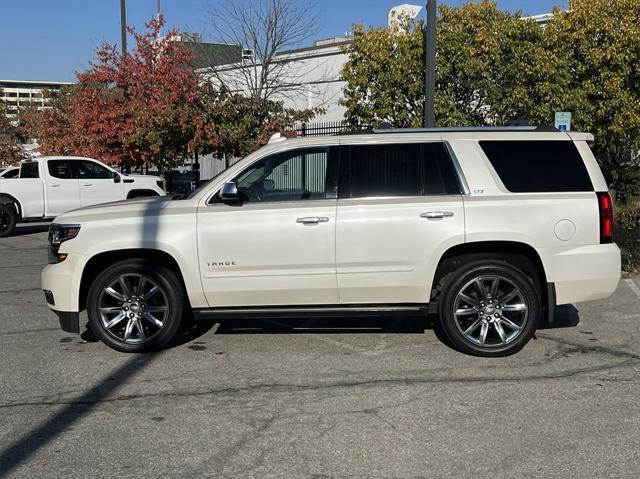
(58, 234)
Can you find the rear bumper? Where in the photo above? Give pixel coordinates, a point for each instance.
(582, 273)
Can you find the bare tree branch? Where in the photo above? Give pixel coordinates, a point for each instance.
(266, 28)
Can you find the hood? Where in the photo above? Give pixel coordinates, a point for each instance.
(117, 209)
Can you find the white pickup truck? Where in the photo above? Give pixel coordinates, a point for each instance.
(50, 186)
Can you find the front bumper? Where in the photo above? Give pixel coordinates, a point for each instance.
(61, 286)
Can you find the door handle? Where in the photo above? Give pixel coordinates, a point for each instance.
(57, 185)
(88, 184)
(437, 214)
(312, 220)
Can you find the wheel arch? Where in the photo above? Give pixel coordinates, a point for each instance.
(517, 254)
(6, 198)
(102, 260)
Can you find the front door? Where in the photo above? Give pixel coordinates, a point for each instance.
(400, 208)
(63, 193)
(277, 245)
(96, 183)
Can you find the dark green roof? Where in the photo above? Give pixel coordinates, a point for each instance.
(214, 54)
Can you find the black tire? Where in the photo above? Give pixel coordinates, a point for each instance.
(459, 314)
(8, 219)
(153, 337)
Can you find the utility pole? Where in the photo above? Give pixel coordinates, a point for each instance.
(123, 26)
(430, 64)
(158, 9)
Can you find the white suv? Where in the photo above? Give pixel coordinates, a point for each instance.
(490, 228)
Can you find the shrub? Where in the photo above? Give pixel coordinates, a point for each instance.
(627, 235)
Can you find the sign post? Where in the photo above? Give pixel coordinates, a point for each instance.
(430, 64)
(563, 120)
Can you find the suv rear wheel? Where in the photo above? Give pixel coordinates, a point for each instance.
(489, 308)
(135, 306)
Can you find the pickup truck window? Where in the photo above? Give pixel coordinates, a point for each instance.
(11, 173)
(29, 170)
(86, 170)
(59, 169)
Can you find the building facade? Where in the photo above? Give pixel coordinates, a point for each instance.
(16, 94)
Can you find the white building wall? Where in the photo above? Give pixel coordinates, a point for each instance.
(313, 77)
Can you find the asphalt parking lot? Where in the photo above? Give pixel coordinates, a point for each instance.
(370, 398)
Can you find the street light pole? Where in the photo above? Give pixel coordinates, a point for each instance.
(430, 64)
(123, 26)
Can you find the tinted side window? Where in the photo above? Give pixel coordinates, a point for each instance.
(440, 177)
(11, 174)
(29, 170)
(86, 170)
(411, 169)
(59, 169)
(288, 176)
(385, 170)
(538, 166)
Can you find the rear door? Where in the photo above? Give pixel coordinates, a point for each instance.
(96, 183)
(400, 207)
(63, 193)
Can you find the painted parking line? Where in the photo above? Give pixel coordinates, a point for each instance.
(633, 286)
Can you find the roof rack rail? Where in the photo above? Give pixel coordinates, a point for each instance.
(454, 129)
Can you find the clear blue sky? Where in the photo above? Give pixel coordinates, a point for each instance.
(50, 40)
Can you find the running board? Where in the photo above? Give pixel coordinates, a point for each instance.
(309, 311)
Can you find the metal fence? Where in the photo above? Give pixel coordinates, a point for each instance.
(323, 128)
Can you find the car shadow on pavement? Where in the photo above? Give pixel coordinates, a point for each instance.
(566, 316)
(27, 229)
(72, 411)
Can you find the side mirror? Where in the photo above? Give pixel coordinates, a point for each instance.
(116, 177)
(229, 192)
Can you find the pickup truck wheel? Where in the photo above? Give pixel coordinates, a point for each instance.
(8, 218)
(489, 308)
(136, 306)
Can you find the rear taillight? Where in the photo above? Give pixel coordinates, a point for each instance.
(606, 217)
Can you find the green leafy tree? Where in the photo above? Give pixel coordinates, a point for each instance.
(236, 125)
(487, 61)
(595, 47)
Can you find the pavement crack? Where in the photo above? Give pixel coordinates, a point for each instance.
(283, 388)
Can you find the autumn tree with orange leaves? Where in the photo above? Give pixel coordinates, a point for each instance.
(144, 106)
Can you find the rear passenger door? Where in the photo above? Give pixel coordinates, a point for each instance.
(399, 208)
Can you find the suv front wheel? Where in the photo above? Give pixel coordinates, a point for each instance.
(489, 308)
(135, 306)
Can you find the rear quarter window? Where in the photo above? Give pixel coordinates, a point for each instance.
(538, 166)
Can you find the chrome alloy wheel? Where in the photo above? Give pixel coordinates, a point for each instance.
(133, 308)
(490, 311)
